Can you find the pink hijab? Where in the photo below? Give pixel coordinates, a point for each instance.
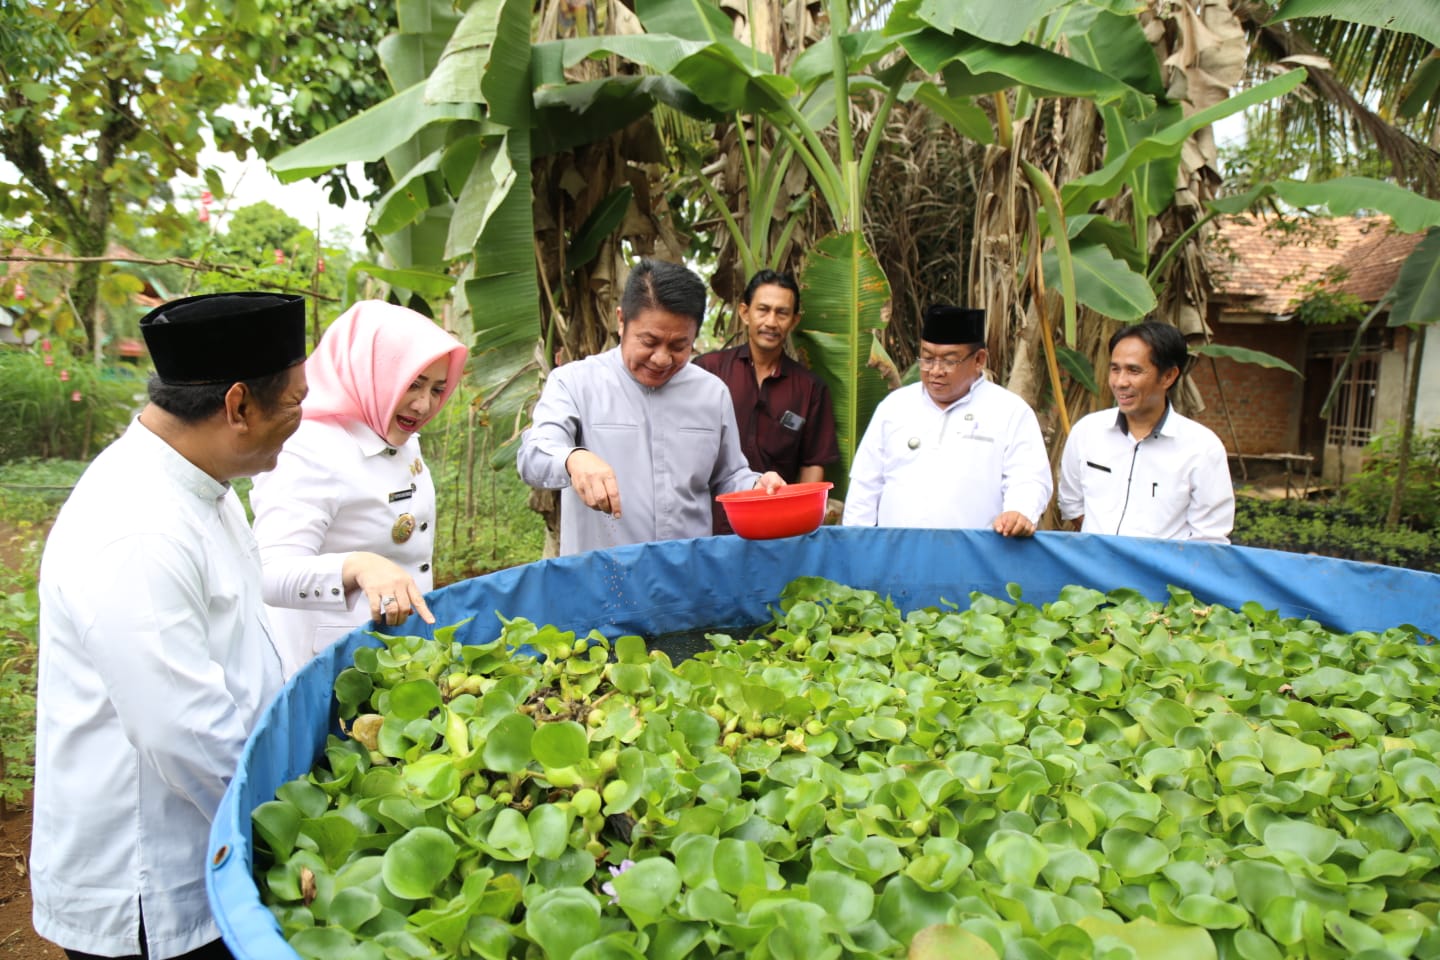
(368, 358)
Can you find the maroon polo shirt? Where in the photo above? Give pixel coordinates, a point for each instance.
(785, 423)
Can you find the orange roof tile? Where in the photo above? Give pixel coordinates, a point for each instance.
(1261, 265)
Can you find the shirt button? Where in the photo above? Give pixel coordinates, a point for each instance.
(424, 567)
(425, 525)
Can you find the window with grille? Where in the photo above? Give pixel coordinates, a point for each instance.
(1352, 418)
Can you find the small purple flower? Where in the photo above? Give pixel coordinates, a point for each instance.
(608, 888)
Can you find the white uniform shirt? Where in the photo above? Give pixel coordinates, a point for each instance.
(957, 467)
(337, 489)
(155, 662)
(1173, 485)
(672, 448)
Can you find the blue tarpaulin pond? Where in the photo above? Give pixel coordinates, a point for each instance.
(662, 588)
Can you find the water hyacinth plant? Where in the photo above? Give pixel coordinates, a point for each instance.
(1098, 776)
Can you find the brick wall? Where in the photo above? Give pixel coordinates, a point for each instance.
(1264, 404)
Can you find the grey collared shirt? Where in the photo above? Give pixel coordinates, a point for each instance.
(672, 448)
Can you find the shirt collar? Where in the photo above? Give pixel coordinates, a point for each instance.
(743, 352)
(983, 378)
(1122, 423)
(370, 445)
(176, 467)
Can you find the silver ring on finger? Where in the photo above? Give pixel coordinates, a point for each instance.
(385, 602)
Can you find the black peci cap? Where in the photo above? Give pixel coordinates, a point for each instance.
(225, 337)
(946, 324)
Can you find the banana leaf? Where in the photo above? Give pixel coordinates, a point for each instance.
(1103, 283)
(1005, 23)
(1243, 355)
(844, 292)
(1420, 17)
(1344, 196)
(973, 66)
(369, 135)
(1417, 289)
(1082, 192)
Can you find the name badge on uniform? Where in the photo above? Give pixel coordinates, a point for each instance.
(792, 421)
(403, 494)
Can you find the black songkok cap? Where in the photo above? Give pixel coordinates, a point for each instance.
(947, 324)
(225, 337)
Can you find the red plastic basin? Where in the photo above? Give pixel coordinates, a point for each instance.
(789, 512)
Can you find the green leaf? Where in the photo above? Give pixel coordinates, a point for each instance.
(739, 864)
(1418, 778)
(1153, 941)
(549, 831)
(1416, 17)
(960, 112)
(844, 291)
(683, 18)
(1243, 355)
(1417, 289)
(431, 286)
(1104, 283)
(846, 899)
(1007, 24)
(1017, 857)
(562, 921)
(1078, 366)
(647, 890)
(418, 861)
(1344, 196)
(414, 699)
(1283, 754)
(948, 942)
(278, 824)
(368, 136)
(604, 220)
(1211, 913)
(1133, 854)
(510, 835)
(352, 688)
(973, 66)
(508, 748)
(353, 906)
(1082, 192)
(560, 744)
(1308, 841)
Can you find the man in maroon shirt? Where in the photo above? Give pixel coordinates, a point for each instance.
(783, 410)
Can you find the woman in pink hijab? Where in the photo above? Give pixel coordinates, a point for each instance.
(346, 520)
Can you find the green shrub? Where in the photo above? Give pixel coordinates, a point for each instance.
(19, 629)
(1371, 489)
(56, 405)
(1333, 530)
(482, 507)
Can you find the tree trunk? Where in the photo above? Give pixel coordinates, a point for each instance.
(1407, 430)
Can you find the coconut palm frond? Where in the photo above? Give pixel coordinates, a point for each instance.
(1368, 72)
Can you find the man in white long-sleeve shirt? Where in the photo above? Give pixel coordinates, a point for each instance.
(955, 450)
(155, 658)
(638, 438)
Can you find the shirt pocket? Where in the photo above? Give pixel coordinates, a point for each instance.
(609, 441)
(699, 446)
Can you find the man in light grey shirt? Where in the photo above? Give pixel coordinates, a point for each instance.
(639, 425)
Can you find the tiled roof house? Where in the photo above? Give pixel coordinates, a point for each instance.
(1261, 272)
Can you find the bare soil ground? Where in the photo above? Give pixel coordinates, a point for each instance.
(17, 935)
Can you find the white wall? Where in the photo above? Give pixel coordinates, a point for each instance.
(1427, 411)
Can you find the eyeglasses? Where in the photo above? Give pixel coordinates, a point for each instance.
(944, 364)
